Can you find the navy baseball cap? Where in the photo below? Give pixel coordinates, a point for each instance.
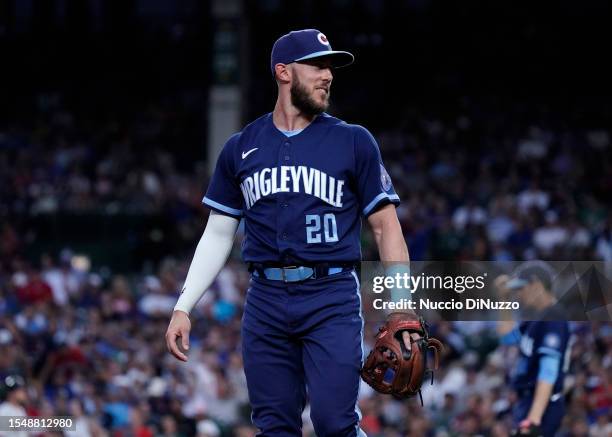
(301, 45)
(531, 271)
(12, 383)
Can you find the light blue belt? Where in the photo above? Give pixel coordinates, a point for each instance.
(293, 274)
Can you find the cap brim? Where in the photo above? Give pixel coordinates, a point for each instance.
(338, 58)
(516, 283)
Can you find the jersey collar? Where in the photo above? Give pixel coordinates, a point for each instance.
(278, 132)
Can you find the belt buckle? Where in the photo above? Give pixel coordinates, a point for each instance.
(314, 273)
(283, 274)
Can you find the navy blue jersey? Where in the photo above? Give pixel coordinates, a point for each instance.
(302, 197)
(537, 339)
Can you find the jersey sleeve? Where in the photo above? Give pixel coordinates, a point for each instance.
(548, 368)
(553, 339)
(374, 185)
(511, 338)
(223, 194)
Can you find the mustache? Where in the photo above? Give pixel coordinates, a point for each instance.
(301, 98)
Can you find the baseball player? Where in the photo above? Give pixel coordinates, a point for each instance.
(302, 180)
(13, 389)
(544, 346)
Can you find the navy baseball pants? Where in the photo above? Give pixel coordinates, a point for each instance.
(551, 420)
(304, 340)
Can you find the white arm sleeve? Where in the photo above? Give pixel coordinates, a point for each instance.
(209, 258)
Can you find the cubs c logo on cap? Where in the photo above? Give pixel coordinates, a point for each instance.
(323, 39)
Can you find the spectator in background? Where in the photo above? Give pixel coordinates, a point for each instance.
(155, 303)
(602, 426)
(533, 198)
(551, 235)
(169, 427)
(63, 280)
(83, 426)
(35, 290)
(469, 214)
(208, 428)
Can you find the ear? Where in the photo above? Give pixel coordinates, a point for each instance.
(283, 72)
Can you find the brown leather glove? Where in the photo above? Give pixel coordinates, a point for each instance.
(391, 368)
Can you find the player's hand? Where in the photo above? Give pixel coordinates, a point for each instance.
(410, 337)
(407, 336)
(401, 346)
(179, 327)
(501, 286)
(527, 428)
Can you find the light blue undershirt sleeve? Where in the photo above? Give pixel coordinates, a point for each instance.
(549, 368)
(511, 338)
(399, 293)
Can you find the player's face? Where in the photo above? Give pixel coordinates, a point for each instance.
(531, 294)
(311, 85)
(20, 395)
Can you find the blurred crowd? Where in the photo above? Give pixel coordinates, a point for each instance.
(477, 186)
(92, 346)
(61, 163)
(90, 341)
(472, 186)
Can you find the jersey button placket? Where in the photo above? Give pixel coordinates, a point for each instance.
(287, 157)
(284, 158)
(291, 289)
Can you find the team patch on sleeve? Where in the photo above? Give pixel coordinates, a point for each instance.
(552, 341)
(385, 179)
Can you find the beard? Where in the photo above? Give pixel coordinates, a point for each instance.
(304, 102)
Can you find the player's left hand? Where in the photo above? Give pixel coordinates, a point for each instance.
(401, 346)
(527, 428)
(407, 336)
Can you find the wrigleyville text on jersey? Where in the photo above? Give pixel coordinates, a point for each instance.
(290, 178)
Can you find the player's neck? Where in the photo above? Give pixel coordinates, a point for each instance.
(287, 117)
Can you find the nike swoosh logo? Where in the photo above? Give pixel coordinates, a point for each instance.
(245, 154)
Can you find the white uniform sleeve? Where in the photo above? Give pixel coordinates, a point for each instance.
(209, 258)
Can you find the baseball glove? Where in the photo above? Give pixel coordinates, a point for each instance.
(392, 369)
